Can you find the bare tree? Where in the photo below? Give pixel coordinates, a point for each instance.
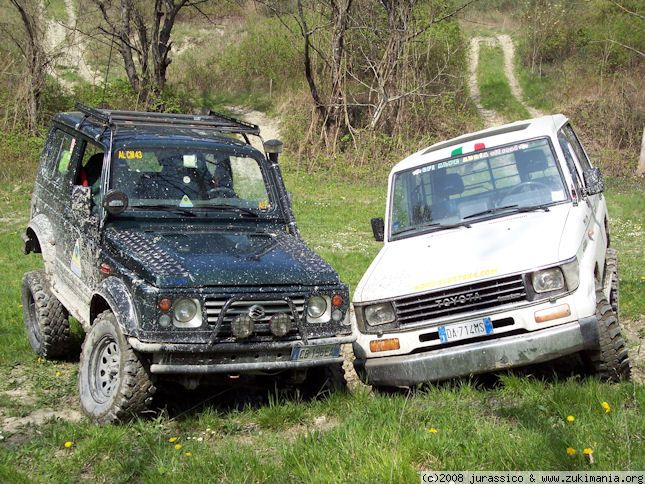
(32, 49)
(141, 29)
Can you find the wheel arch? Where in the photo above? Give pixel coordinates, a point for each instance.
(39, 239)
(115, 296)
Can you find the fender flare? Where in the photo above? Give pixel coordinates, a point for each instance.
(40, 229)
(119, 299)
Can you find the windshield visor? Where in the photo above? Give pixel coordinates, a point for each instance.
(478, 185)
(189, 178)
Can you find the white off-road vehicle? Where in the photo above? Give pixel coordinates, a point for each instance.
(496, 255)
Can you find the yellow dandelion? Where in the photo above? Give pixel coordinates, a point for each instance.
(570, 418)
(39, 360)
(606, 407)
(172, 440)
(58, 373)
(68, 444)
(587, 451)
(571, 451)
(178, 446)
(432, 430)
(188, 454)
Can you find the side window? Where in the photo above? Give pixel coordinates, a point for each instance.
(570, 158)
(60, 149)
(577, 147)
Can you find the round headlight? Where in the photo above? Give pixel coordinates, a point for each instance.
(242, 326)
(164, 320)
(316, 306)
(280, 324)
(381, 313)
(185, 310)
(548, 280)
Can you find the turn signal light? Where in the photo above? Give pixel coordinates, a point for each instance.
(561, 311)
(384, 345)
(165, 304)
(337, 300)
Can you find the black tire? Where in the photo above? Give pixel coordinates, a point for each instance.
(324, 380)
(611, 360)
(113, 383)
(611, 270)
(46, 320)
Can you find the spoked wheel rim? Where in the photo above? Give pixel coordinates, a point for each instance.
(104, 369)
(34, 328)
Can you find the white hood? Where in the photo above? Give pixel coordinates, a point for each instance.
(451, 257)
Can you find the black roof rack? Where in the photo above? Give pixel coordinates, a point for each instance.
(216, 121)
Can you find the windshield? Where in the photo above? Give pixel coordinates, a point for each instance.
(464, 189)
(189, 179)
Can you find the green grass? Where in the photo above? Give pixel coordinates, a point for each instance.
(520, 424)
(536, 89)
(493, 85)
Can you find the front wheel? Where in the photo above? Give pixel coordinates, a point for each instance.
(610, 360)
(113, 383)
(324, 380)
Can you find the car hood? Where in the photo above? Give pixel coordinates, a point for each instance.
(218, 258)
(487, 249)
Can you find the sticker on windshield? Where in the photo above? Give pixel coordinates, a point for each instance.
(186, 179)
(185, 202)
(129, 154)
(509, 149)
(190, 161)
(263, 205)
(75, 264)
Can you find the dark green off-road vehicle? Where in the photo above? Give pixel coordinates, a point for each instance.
(172, 241)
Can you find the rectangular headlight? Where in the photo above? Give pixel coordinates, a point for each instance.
(381, 313)
(548, 280)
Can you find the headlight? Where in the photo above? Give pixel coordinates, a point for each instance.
(548, 280)
(316, 307)
(381, 313)
(185, 310)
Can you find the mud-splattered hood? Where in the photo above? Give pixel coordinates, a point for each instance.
(218, 258)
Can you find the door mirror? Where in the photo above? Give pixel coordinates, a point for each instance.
(378, 229)
(115, 202)
(594, 181)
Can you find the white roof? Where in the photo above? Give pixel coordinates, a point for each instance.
(491, 137)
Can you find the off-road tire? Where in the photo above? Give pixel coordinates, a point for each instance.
(127, 390)
(611, 270)
(610, 361)
(46, 320)
(324, 380)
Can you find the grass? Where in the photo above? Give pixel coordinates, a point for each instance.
(493, 85)
(517, 424)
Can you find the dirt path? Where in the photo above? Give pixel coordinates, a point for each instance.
(269, 127)
(490, 117)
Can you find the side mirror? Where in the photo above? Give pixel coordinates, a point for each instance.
(378, 229)
(594, 181)
(115, 202)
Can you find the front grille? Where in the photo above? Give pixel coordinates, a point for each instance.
(470, 297)
(271, 306)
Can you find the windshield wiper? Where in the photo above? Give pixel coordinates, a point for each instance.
(230, 208)
(166, 208)
(432, 225)
(515, 208)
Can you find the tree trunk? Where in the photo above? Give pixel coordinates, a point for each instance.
(641, 163)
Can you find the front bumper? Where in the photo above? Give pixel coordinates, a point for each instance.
(480, 357)
(204, 358)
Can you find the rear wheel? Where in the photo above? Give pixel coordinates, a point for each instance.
(610, 361)
(46, 320)
(113, 383)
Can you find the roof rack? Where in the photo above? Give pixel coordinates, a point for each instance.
(213, 120)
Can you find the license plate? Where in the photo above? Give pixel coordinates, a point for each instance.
(315, 352)
(465, 330)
